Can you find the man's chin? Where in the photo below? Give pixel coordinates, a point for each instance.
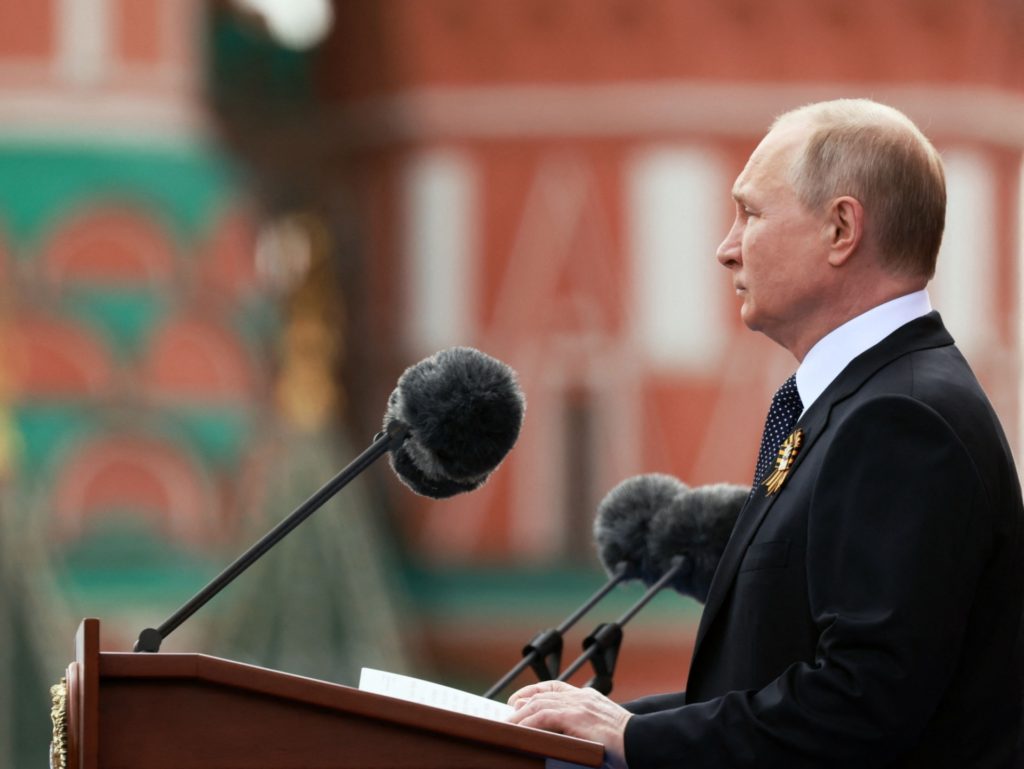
(749, 317)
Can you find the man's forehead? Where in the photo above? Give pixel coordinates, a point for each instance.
(772, 157)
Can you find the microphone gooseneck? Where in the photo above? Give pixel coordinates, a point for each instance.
(621, 530)
(544, 653)
(149, 640)
(685, 535)
(450, 421)
(464, 410)
(601, 647)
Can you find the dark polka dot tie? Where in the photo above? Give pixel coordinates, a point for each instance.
(782, 416)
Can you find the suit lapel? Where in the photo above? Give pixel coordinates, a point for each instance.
(925, 332)
(749, 520)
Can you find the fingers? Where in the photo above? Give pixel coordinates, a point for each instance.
(560, 707)
(586, 713)
(520, 696)
(549, 709)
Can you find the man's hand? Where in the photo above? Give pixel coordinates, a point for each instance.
(558, 707)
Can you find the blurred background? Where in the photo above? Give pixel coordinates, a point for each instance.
(227, 227)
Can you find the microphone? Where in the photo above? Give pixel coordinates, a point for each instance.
(686, 536)
(623, 521)
(458, 412)
(464, 410)
(621, 532)
(697, 527)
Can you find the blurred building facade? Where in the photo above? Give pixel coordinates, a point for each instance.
(187, 349)
(548, 180)
(159, 407)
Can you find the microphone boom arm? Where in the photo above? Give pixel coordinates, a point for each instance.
(544, 652)
(607, 637)
(150, 639)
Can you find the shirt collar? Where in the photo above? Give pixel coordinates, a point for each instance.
(834, 351)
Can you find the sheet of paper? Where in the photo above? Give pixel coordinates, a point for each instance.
(427, 693)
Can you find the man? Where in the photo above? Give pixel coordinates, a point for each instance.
(867, 609)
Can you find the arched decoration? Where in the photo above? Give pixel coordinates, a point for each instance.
(47, 357)
(112, 246)
(195, 360)
(228, 257)
(129, 475)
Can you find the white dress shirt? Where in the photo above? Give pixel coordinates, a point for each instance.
(834, 351)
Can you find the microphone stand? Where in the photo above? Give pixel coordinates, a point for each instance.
(150, 639)
(544, 652)
(602, 646)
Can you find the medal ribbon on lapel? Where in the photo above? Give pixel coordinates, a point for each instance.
(784, 461)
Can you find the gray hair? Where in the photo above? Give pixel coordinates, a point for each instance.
(877, 155)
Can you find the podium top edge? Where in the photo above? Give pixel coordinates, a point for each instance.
(182, 668)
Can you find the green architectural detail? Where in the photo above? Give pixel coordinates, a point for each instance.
(122, 561)
(42, 184)
(123, 318)
(217, 434)
(122, 566)
(45, 431)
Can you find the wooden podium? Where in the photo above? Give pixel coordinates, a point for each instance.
(191, 711)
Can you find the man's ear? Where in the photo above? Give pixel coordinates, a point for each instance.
(844, 228)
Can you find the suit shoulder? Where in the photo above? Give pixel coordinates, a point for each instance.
(938, 385)
(939, 378)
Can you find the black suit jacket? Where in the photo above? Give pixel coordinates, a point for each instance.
(869, 613)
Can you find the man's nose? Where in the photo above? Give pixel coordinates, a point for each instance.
(728, 253)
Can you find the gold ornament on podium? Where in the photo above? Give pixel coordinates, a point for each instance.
(59, 716)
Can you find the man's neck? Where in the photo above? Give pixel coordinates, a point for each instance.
(826, 359)
(848, 306)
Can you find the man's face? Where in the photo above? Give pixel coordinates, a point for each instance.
(776, 249)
